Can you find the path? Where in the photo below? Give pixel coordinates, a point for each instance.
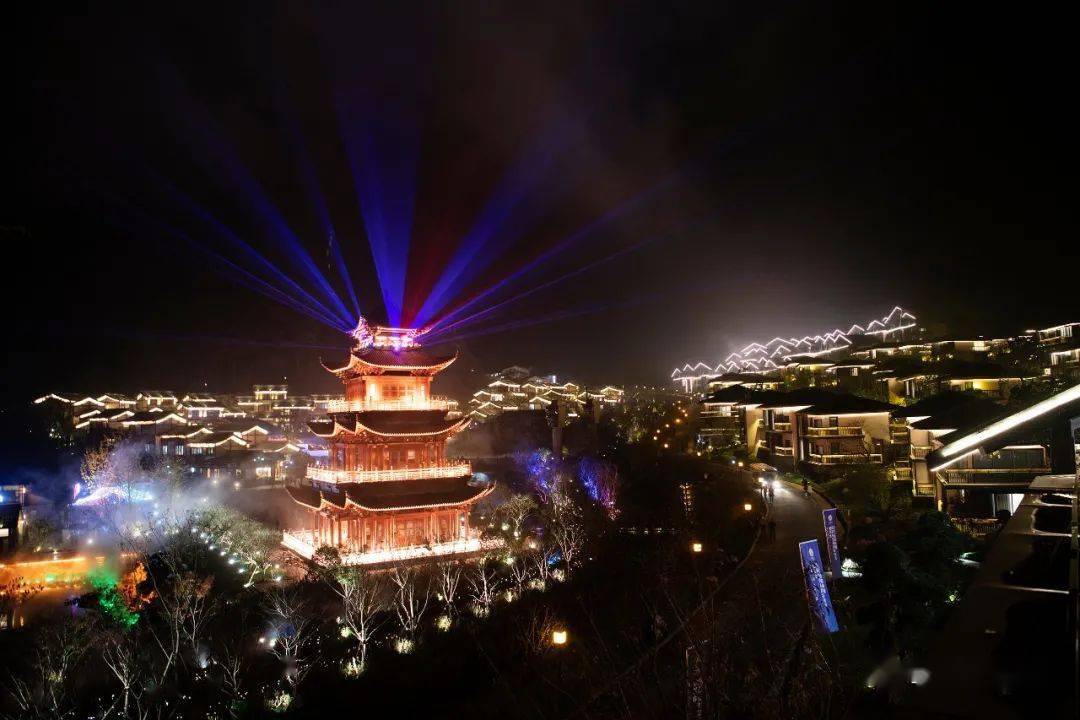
(761, 607)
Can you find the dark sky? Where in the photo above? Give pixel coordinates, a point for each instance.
(777, 167)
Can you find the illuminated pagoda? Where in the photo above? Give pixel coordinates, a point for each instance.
(389, 492)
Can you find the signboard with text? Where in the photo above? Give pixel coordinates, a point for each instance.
(817, 591)
(832, 546)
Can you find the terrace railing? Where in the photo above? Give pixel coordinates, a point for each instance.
(860, 459)
(834, 431)
(361, 476)
(433, 403)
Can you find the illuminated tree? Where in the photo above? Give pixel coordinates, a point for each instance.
(248, 545)
(58, 651)
(294, 634)
(14, 593)
(600, 479)
(519, 572)
(541, 558)
(363, 598)
(413, 593)
(120, 656)
(514, 512)
(448, 578)
(98, 468)
(566, 528)
(484, 584)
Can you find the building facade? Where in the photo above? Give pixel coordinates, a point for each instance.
(388, 491)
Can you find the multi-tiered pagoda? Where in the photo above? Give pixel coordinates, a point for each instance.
(389, 492)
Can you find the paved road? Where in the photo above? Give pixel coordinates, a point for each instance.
(761, 611)
(753, 620)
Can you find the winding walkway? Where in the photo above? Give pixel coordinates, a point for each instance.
(771, 575)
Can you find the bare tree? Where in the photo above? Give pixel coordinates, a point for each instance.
(448, 577)
(233, 666)
(484, 584)
(59, 649)
(294, 636)
(519, 573)
(185, 601)
(120, 655)
(413, 593)
(363, 597)
(535, 633)
(567, 529)
(514, 512)
(541, 557)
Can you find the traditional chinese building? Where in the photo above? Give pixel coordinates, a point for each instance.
(388, 491)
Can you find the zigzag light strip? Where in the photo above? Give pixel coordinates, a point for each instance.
(757, 357)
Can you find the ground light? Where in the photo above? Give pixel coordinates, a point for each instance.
(558, 637)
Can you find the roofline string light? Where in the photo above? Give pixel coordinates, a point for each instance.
(758, 357)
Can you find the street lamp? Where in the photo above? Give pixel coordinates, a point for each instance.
(558, 637)
(747, 507)
(696, 547)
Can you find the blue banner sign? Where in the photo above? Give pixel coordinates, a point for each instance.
(831, 545)
(817, 592)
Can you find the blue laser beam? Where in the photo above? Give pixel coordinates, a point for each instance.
(480, 315)
(506, 214)
(312, 190)
(234, 240)
(219, 158)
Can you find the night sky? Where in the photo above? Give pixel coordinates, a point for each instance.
(730, 171)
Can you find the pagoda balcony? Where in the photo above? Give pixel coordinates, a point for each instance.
(445, 470)
(432, 403)
(302, 542)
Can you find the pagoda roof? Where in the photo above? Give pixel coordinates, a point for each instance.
(389, 423)
(374, 360)
(391, 496)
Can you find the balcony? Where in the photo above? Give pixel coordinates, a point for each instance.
(779, 427)
(782, 451)
(860, 459)
(919, 452)
(1005, 476)
(360, 476)
(303, 543)
(834, 431)
(434, 403)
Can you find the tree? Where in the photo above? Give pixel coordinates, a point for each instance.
(514, 512)
(14, 593)
(363, 597)
(411, 598)
(448, 577)
(294, 634)
(58, 651)
(484, 584)
(120, 656)
(600, 478)
(98, 468)
(566, 527)
(541, 557)
(249, 545)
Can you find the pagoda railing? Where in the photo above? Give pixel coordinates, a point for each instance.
(433, 403)
(362, 476)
